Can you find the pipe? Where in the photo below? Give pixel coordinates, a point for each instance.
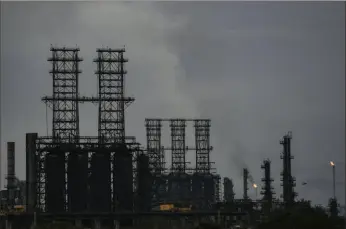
(334, 196)
(11, 173)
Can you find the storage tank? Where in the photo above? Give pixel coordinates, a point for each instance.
(78, 181)
(100, 182)
(144, 184)
(123, 179)
(55, 181)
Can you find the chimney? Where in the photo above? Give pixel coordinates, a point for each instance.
(11, 176)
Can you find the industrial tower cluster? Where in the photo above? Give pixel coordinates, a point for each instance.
(198, 185)
(110, 172)
(267, 201)
(112, 176)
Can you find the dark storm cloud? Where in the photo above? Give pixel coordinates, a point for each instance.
(260, 70)
(257, 69)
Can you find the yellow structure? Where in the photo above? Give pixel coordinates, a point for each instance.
(172, 207)
(17, 209)
(166, 207)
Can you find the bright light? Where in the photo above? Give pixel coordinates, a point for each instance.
(332, 163)
(254, 185)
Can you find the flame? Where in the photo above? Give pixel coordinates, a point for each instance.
(254, 185)
(332, 163)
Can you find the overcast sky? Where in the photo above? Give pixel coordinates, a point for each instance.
(257, 70)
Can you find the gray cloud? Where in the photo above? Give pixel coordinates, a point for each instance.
(261, 69)
(257, 69)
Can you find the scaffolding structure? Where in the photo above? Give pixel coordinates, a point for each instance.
(44, 144)
(156, 159)
(64, 102)
(203, 148)
(154, 148)
(178, 127)
(112, 101)
(217, 185)
(111, 116)
(179, 183)
(65, 72)
(65, 141)
(288, 181)
(67, 172)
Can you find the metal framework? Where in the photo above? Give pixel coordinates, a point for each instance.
(178, 127)
(203, 148)
(217, 188)
(87, 144)
(112, 101)
(178, 147)
(65, 72)
(111, 91)
(267, 189)
(179, 183)
(154, 147)
(64, 102)
(156, 158)
(288, 181)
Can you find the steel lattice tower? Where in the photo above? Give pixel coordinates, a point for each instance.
(65, 71)
(111, 91)
(112, 103)
(178, 145)
(156, 158)
(288, 181)
(267, 189)
(65, 122)
(203, 148)
(154, 148)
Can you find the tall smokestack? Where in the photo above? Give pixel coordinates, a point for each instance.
(31, 172)
(288, 181)
(267, 190)
(245, 178)
(11, 176)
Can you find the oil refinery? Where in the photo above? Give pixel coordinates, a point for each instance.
(111, 179)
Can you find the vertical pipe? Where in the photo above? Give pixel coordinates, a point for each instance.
(31, 171)
(245, 178)
(334, 196)
(11, 173)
